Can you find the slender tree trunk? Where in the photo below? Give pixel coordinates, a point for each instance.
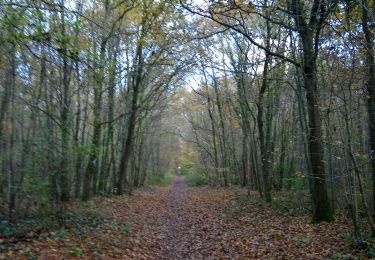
(245, 159)
(128, 146)
(353, 161)
(5, 102)
(282, 156)
(264, 149)
(79, 155)
(8, 102)
(64, 117)
(370, 87)
(92, 167)
(92, 170)
(213, 126)
(223, 137)
(107, 154)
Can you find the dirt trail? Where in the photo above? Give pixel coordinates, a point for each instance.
(189, 227)
(180, 222)
(175, 221)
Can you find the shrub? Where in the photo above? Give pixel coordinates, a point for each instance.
(196, 180)
(185, 169)
(163, 180)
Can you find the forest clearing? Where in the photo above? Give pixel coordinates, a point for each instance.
(187, 129)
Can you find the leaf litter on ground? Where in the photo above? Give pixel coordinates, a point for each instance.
(180, 222)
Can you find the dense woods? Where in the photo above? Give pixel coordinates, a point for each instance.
(106, 96)
(83, 101)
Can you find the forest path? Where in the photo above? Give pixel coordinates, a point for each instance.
(189, 226)
(181, 222)
(175, 221)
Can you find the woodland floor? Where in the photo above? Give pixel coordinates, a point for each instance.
(180, 222)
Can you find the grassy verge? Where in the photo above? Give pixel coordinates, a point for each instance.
(193, 177)
(158, 180)
(196, 180)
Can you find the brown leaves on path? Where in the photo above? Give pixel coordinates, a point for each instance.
(180, 222)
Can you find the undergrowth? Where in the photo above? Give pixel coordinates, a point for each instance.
(196, 180)
(160, 180)
(194, 177)
(78, 214)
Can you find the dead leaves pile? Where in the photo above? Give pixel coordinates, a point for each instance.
(178, 222)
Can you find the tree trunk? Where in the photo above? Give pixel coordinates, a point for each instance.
(64, 117)
(128, 146)
(264, 149)
(108, 144)
(322, 206)
(370, 87)
(92, 170)
(309, 33)
(92, 167)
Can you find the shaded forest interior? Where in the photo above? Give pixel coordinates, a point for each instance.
(273, 98)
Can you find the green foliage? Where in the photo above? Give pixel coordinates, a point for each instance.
(90, 218)
(78, 230)
(6, 228)
(185, 169)
(27, 222)
(37, 188)
(113, 190)
(126, 229)
(163, 180)
(193, 176)
(196, 180)
(292, 203)
(362, 245)
(60, 234)
(238, 209)
(75, 251)
(371, 251)
(296, 182)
